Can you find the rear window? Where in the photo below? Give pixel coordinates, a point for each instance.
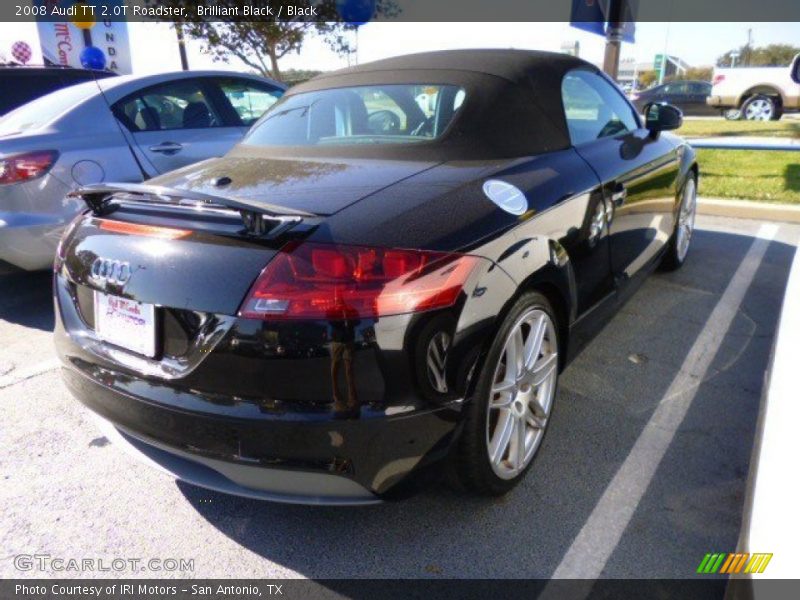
(376, 114)
(43, 110)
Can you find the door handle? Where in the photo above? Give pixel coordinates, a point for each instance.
(618, 195)
(167, 148)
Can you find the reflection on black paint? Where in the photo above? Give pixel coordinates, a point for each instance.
(342, 349)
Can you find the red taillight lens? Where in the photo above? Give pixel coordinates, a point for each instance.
(24, 167)
(325, 281)
(718, 79)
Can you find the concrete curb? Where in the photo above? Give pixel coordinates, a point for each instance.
(746, 143)
(745, 209)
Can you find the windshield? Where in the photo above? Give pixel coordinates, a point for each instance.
(42, 111)
(375, 114)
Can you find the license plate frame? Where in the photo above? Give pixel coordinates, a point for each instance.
(129, 324)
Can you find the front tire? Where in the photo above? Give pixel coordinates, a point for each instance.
(732, 114)
(678, 245)
(507, 416)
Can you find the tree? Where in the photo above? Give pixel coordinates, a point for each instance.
(262, 42)
(295, 76)
(692, 73)
(646, 79)
(773, 55)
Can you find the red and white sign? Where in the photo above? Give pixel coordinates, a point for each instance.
(63, 41)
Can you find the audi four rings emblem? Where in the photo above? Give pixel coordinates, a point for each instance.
(111, 271)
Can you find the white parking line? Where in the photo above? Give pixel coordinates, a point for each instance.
(591, 549)
(28, 372)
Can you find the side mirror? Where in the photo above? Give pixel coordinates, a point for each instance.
(794, 70)
(662, 117)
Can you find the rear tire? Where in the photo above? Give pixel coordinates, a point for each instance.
(507, 416)
(759, 108)
(678, 245)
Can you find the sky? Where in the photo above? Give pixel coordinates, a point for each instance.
(154, 47)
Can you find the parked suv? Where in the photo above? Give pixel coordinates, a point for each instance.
(20, 85)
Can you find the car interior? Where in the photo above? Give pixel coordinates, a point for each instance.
(375, 114)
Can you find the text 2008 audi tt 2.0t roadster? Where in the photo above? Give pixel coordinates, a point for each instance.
(392, 268)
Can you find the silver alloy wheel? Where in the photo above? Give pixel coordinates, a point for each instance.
(522, 391)
(686, 216)
(759, 109)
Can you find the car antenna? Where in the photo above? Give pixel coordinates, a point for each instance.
(145, 176)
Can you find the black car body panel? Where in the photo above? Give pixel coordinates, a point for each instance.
(23, 84)
(260, 394)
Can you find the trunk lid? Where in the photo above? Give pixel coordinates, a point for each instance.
(320, 186)
(194, 260)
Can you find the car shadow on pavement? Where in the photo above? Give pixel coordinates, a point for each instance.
(26, 299)
(692, 506)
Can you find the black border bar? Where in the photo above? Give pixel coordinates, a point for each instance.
(420, 11)
(697, 588)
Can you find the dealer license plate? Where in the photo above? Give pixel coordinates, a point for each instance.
(125, 323)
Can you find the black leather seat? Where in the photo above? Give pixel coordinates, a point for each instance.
(196, 116)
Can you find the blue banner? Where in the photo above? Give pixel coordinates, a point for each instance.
(592, 16)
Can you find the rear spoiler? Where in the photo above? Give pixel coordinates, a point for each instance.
(259, 218)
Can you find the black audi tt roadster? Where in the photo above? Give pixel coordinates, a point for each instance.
(390, 270)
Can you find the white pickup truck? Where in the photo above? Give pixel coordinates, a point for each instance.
(754, 93)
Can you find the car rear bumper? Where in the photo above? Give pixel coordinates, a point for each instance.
(29, 241)
(325, 461)
(722, 101)
(249, 481)
(200, 423)
(32, 218)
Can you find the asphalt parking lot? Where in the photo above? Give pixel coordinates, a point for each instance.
(68, 493)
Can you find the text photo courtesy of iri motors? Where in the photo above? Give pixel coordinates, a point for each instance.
(346, 298)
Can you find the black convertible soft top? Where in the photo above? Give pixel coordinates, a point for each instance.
(510, 64)
(513, 101)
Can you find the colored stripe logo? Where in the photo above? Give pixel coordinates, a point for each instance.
(733, 563)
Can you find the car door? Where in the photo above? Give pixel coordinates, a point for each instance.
(587, 241)
(698, 92)
(247, 98)
(637, 171)
(177, 123)
(677, 94)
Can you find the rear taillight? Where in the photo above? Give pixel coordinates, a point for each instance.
(24, 167)
(718, 79)
(326, 281)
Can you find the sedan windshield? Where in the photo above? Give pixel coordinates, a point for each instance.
(42, 111)
(376, 114)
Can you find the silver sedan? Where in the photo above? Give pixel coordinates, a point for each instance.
(119, 129)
